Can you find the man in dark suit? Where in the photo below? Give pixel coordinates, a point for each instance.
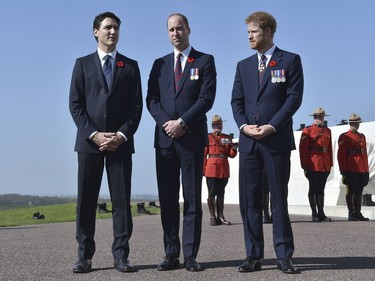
(267, 91)
(106, 104)
(181, 89)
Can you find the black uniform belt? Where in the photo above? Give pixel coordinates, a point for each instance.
(217, 156)
(356, 151)
(321, 149)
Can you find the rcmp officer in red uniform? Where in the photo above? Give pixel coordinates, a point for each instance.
(353, 163)
(315, 150)
(216, 169)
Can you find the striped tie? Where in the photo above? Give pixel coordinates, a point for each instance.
(262, 67)
(177, 72)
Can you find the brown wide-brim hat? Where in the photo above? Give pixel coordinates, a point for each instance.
(354, 118)
(216, 119)
(319, 111)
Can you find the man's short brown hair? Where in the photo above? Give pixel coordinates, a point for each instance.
(264, 20)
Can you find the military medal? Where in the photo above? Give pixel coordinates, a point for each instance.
(273, 76)
(278, 79)
(283, 79)
(278, 76)
(194, 74)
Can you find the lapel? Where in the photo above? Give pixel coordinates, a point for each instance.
(276, 56)
(187, 68)
(169, 72)
(99, 70)
(251, 69)
(118, 66)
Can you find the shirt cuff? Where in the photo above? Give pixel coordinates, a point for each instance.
(242, 126)
(273, 128)
(121, 134)
(90, 137)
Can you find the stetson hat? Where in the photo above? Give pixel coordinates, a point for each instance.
(319, 111)
(216, 119)
(355, 118)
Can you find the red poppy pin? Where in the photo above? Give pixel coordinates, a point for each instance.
(190, 60)
(272, 63)
(120, 64)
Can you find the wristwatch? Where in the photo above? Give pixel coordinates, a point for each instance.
(181, 122)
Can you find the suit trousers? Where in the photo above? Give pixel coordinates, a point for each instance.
(172, 164)
(251, 167)
(90, 171)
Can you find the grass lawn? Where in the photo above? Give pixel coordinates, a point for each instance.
(16, 216)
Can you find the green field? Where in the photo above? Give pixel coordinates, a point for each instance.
(16, 216)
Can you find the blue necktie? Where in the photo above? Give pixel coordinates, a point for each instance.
(177, 71)
(107, 70)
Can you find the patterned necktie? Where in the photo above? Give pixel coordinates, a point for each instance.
(177, 72)
(107, 70)
(262, 67)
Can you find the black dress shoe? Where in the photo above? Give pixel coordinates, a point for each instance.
(192, 265)
(286, 266)
(170, 262)
(123, 265)
(82, 266)
(250, 265)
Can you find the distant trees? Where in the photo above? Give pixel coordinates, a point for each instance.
(14, 200)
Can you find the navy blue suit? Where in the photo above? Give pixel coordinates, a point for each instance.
(271, 103)
(94, 107)
(185, 154)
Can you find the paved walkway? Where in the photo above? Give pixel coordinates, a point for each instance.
(339, 250)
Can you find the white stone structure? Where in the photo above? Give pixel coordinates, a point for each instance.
(298, 184)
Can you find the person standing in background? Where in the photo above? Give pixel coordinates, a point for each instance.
(267, 91)
(353, 164)
(181, 90)
(315, 151)
(105, 102)
(216, 169)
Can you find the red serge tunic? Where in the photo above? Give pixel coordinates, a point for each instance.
(216, 155)
(315, 149)
(352, 153)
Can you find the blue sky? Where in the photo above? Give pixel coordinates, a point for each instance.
(41, 40)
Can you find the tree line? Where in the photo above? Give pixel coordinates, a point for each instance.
(17, 200)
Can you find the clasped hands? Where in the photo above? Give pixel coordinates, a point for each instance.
(173, 129)
(107, 141)
(258, 132)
